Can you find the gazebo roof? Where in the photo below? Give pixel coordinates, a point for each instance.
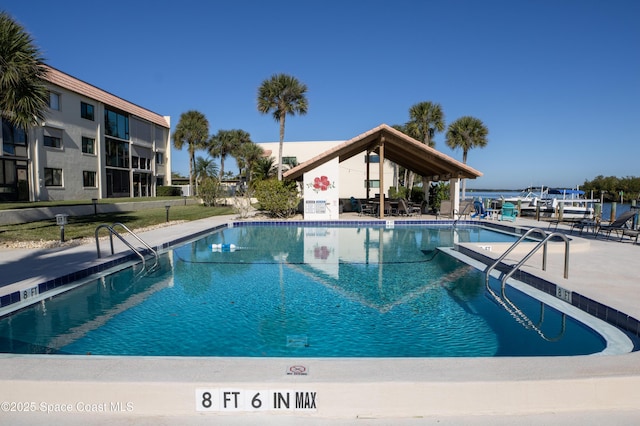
(398, 148)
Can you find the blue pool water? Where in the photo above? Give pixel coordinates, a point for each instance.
(301, 292)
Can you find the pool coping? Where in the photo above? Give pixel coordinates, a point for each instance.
(346, 388)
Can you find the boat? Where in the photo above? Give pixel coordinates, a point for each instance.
(551, 201)
(525, 196)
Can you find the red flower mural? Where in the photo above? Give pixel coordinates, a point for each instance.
(322, 183)
(321, 252)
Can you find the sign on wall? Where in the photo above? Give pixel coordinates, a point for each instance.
(321, 194)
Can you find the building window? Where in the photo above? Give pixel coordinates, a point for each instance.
(89, 179)
(14, 140)
(372, 184)
(52, 141)
(7, 172)
(117, 153)
(135, 162)
(54, 101)
(88, 145)
(290, 161)
(373, 158)
(52, 177)
(159, 158)
(86, 111)
(117, 183)
(52, 137)
(116, 124)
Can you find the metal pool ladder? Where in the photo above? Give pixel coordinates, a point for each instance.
(506, 303)
(542, 244)
(112, 232)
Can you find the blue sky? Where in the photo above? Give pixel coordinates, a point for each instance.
(557, 82)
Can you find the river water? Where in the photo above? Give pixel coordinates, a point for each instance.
(606, 207)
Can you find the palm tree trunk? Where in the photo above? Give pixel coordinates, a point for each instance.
(464, 181)
(195, 178)
(282, 117)
(191, 161)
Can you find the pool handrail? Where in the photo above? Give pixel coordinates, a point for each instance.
(544, 255)
(542, 243)
(112, 232)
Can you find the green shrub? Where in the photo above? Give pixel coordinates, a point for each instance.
(439, 192)
(277, 198)
(168, 191)
(209, 190)
(402, 192)
(417, 194)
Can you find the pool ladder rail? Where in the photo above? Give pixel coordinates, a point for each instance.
(138, 252)
(542, 244)
(504, 301)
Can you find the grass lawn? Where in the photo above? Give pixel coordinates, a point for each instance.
(30, 204)
(85, 226)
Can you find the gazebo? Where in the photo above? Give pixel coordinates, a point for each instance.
(393, 145)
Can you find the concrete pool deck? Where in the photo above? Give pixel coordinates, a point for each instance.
(542, 390)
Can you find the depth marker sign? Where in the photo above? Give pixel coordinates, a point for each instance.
(221, 399)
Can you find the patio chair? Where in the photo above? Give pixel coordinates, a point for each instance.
(618, 225)
(446, 209)
(404, 209)
(466, 208)
(479, 211)
(356, 206)
(508, 212)
(368, 209)
(415, 208)
(389, 208)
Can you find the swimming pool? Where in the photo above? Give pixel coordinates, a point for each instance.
(283, 291)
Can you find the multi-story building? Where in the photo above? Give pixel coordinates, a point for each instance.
(353, 171)
(92, 144)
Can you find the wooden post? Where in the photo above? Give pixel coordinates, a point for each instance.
(381, 177)
(613, 212)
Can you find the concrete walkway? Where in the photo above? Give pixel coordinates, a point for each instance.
(558, 390)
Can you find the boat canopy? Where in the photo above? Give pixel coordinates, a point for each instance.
(566, 192)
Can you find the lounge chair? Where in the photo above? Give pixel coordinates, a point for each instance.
(631, 233)
(618, 225)
(582, 224)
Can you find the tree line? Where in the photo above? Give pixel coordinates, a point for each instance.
(611, 188)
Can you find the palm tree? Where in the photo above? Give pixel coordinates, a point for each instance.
(23, 93)
(246, 156)
(282, 94)
(265, 168)
(205, 167)
(425, 119)
(193, 130)
(225, 143)
(466, 133)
